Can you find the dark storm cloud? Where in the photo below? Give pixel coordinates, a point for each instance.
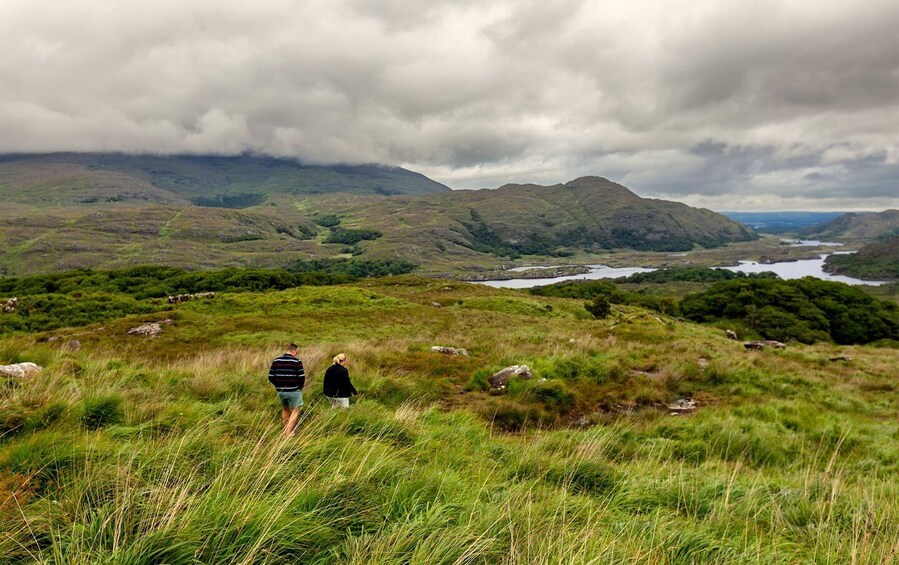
(761, 103)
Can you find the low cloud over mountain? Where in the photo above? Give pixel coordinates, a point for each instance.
(768, 104)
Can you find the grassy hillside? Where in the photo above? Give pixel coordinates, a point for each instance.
(168, 449)
(230, 182)
(589, 213)
(859, 226)
(440, 232)
(875, 261)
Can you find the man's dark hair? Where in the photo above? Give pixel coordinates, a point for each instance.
(292, 347)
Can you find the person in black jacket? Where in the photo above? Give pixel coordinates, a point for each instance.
(289, 377)
(337, 385)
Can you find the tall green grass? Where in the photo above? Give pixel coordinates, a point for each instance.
(169, 451)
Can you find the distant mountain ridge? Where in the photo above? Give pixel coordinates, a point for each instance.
(203, 180)
(782, 222)
(859, 226)
(69, 211)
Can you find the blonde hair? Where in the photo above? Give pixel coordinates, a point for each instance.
(340, 357)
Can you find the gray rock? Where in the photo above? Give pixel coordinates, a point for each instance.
(179, 298)
(683, 406)
(436, 305)
(146, 330)
(449, 350)
(501, 378)
(20, 370)
(758, 345)
(73, 345)
(10, 305)
(730, 334)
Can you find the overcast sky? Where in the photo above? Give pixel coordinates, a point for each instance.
(740, 104)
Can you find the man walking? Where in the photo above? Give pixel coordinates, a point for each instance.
(288, 376)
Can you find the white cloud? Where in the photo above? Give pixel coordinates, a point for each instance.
(689, 99)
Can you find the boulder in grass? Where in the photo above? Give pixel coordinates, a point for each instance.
(146, 330)
(682, 406)
(501, 378)
(731, 334)
(9, 307)
(449, 350)
(20, 370)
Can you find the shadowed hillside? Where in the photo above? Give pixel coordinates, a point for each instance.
(858, 225)
(204, 180)
(878, 260)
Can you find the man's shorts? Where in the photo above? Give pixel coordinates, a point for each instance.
(291, 399)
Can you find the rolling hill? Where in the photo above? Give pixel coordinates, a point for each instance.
(203, 180)
(69, 211)
(875, 261)
(859, 226)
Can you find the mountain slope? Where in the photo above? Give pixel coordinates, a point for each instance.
(590, 213)
(231, 182)
(441, 231)
(878, 260)
(859, 225)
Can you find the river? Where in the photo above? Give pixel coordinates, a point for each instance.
(783, 269)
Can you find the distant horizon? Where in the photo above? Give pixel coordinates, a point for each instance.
(761, 209)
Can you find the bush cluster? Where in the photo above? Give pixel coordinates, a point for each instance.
(84, 296)
(807, 310)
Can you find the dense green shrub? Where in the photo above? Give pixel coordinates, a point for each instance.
(328, 221)
(600, 307)
(806, 309)
(351, 237)
(242, 200)
(81, 297)
(360, 268)
(690, 274)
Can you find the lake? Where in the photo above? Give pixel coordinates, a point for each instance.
(783, 269)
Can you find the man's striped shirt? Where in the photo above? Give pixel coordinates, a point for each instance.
(287, 373)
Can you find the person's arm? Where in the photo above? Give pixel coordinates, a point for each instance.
(271, 374)
(301, 374)
(347, 385)
(350, 386)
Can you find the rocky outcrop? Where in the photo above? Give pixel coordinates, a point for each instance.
(501, 378)
(759, 345)
(449, 350)
(179, 298)
(10, 305)
(150, 330)
(682, 406)
(20, 370)
(731, 334)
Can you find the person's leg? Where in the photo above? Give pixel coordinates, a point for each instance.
(291, 422)
(285, 408)
(295, 401)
